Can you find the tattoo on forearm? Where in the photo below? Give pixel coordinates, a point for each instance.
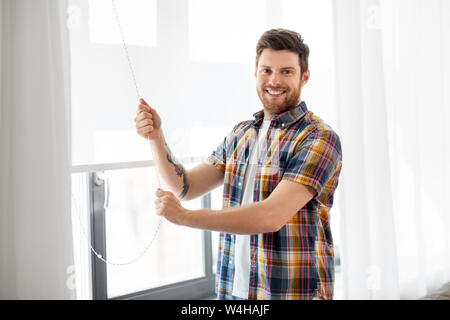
(180, 171)
(185, 185)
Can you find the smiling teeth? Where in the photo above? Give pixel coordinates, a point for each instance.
(275, 92)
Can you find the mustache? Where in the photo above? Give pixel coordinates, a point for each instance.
(274, 88)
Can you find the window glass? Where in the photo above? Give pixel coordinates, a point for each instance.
(220, 31)
(314, 21)
(176, 253)
(137, 20)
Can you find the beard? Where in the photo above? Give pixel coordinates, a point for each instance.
(289, 100)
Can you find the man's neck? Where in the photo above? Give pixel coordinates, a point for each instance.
(268, 115)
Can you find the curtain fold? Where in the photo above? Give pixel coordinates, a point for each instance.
(392, 72)
(36, 234)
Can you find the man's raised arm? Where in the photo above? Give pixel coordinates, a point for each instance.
(185, 184)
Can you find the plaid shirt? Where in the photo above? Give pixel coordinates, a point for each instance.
(296, 262)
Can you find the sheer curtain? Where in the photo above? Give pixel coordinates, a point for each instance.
(393, 75)
(36, 253)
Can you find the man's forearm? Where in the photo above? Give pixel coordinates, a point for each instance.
(172, 172)
(250, 219)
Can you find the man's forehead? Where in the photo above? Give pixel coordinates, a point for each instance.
(281, 59)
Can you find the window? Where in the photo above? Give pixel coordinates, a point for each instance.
(194, 63)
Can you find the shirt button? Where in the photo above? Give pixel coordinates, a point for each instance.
(240, 184)
(282, 124)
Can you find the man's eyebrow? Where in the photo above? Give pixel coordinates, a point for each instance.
(283, 68)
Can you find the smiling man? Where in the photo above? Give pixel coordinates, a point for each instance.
(279, 170)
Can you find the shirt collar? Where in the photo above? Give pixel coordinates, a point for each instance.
(284, 119)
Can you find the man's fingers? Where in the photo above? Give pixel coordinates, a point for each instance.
(144, 123)
(145, 130)
(161, 193)
(143, 115)
(161, 201)
(143, 107)
(144, 102)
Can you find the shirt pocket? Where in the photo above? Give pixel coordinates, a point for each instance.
(273, 163)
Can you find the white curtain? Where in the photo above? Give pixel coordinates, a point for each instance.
(393, 80)
(36, 254)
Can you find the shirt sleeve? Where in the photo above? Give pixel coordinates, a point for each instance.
(218, 158)
(316, 161)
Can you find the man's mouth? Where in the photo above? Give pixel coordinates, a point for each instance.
(275, 93)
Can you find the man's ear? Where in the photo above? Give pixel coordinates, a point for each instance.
(305, 78)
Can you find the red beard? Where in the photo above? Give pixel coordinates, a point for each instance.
(287, 101)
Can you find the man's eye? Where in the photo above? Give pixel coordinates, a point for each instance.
(266, 70)
(286, 72)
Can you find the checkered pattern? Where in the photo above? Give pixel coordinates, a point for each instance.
(297, 262)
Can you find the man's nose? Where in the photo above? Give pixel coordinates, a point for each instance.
(274, 79)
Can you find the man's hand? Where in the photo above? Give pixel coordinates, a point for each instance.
(148, 122)
(168, 206)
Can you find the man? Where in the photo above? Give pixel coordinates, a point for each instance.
(279, 171)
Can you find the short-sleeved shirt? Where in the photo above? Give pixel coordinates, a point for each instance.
(296, 262)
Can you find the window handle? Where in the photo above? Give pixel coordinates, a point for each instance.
(102, 179)
(106, 203)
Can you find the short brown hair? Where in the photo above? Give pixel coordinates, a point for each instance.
(283, 39)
